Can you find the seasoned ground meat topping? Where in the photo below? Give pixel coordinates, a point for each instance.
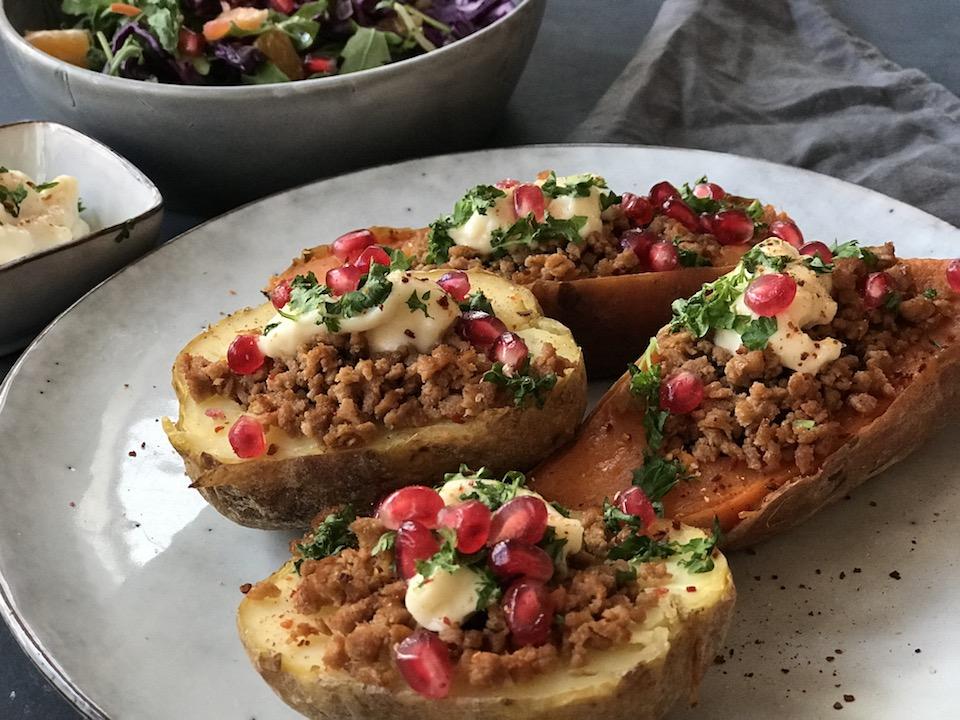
(618, 242)
(759, 413)
(337, 391)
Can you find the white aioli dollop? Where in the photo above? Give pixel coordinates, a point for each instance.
(45, 219)
(813, 305)
(390, 326)
(445, 599)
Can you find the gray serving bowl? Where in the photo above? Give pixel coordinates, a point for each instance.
(236, 143)
(124, 210)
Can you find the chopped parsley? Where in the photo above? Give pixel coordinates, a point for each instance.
(331, 537)
(645, 384)
(698, 204)
(657, 477)
(930, 293)
(701, 551)
(488, 588)
(448, 560)
(579, 186)
(892, 301)
(689, 258)
(444, 560)
(852, 249)
(527, 232)
(711, 307)
(398, 261)
(492, 493)
(755, 258)
(564, 511)
(553, 545)
(755, 334)
(385, 543)
(522, 383)
(416, 303)
(755, 211)
(12, 199)
(45, 186)
(638, 548)
(439, 242)
(478, 200)
(477, 301)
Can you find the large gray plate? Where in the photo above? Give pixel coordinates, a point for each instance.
(122, 584)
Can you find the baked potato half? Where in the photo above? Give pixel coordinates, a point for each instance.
(893, 383)
(333, 661)
(613, 288)
(299, 475)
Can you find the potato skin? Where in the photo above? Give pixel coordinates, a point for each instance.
(287, 493)
(646, 692)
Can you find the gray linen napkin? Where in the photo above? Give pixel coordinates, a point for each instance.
(785, 81)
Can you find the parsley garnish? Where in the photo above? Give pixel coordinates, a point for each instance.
(11, 199)
(755, 258)
(657, 477)
(690, 258)
(416, 303)
(385, 543)
(398, 261)
(701, 549)
(477, 201)
(851, 249)
(755, 334)
(331, 537)
(930, 293)
(625, 577)
(711, 307)
(439, 242)
(444, 560)
(641, 549)
(645, 384)
(494, 494)
(522, 383)
(697, 204)
(488, 588)
(45, 186)
(755, 211)
(270, 327)
(892, 301)
(477, 301)
(579, 186)
(529, 233)
(561, 509)
(553, 545)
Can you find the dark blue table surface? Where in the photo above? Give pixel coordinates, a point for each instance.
(582, 47)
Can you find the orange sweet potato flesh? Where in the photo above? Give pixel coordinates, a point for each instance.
(751, 505)
(609, 316)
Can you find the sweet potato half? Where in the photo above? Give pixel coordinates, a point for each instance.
(288, 486)
(662, 663)
(609, 316)
(751, 505)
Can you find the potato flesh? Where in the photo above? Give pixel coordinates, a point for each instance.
(515, 306)
(259, 621)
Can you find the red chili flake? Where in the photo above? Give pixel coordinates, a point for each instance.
(272, 450)
(215, 413)
(232, 292)
(132, 453)
(691, 588)
(287, 624)
(245, 588)
(218, 428)
(73, 504)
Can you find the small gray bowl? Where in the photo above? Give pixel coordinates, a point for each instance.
(235, 143)
(124, 210)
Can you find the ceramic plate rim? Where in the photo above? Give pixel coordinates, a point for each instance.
(21, 630)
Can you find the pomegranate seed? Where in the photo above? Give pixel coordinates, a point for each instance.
(634, 501)
(510, 349)
(678, 210)
(788, 231)
(523, 518)
(682, 393)
(370, 255)
(663, 191)
(244, 355)
(280, 295)
(876, 289)
(471, 520)
(319, 65)
(817, 249)
(513, 558)
(343, 279)
(480, 329)
(528, 609)
(246, 438)
(424, 662)
(348, 247)
(529, 199)
(416, 502)
(663, 256)
(953, 275)
(456, 284)
(190, 43)
(506, 184)
(731, 227)
(640, 241)
(770, 294)
(413, 543)
(709, 191)
(637, 208)
(283, 6)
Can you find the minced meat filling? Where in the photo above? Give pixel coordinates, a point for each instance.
(594, 611)
(336, 391)
(757, 412)
(599, 255)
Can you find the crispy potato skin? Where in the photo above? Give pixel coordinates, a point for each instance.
(609, 316)
(646, 692)
(288, 493)
(611, 439)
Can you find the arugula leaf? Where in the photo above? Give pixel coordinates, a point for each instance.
(331, 537)
(477, 301)
(164, 19)
(522, 383)
(478, 200)
(444, 560)
(755, 334)
(367, 48)
(657, 477)
(527, 232)
(266, 74)
(701, 551)
(385, 543)
(414, 302)
(641, 549)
